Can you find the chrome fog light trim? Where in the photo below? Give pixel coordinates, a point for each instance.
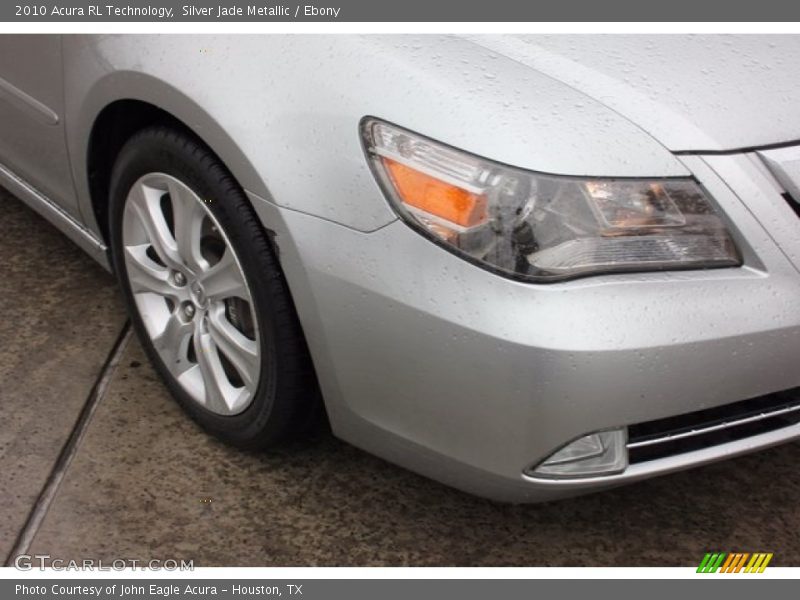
(600, 453)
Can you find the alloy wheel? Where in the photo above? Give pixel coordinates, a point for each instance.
(191, 293)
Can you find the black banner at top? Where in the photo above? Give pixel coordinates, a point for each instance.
(406, 11)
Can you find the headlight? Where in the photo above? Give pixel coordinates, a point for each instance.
(542, 227)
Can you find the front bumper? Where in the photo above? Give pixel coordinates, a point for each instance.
(470, 378)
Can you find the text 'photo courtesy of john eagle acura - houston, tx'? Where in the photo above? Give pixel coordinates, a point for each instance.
(526, 266)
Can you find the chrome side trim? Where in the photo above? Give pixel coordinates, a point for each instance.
(39, 111)
(46, 207)
(718, 427)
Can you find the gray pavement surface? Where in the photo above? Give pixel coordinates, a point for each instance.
(147, 483)
(59, 314)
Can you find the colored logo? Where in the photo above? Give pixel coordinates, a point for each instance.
(734, 562)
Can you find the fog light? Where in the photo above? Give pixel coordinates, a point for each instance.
(601, 453)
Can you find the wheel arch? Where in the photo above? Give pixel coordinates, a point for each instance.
(114, 108)
(114, 125)
(111, 117)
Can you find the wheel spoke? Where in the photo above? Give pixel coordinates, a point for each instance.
(145, 275)
(188, 215)
(214, 378)
(146, 203)
(173, 343)
(224, 280)
(239, 350)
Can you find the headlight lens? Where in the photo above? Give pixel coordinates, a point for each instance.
(545, 227)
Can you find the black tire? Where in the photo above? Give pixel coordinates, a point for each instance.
(287, 401)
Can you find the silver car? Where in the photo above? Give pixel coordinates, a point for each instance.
(529, 267)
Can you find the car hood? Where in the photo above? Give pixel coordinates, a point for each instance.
(689, 92)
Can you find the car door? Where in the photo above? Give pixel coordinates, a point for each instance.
(32, 144)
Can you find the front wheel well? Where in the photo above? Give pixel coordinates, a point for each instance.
(114, 126)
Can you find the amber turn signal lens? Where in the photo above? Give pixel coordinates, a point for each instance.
(436, 197)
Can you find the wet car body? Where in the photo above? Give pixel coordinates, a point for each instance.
(460, 372)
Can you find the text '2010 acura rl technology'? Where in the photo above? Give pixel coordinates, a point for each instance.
(528, 267)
